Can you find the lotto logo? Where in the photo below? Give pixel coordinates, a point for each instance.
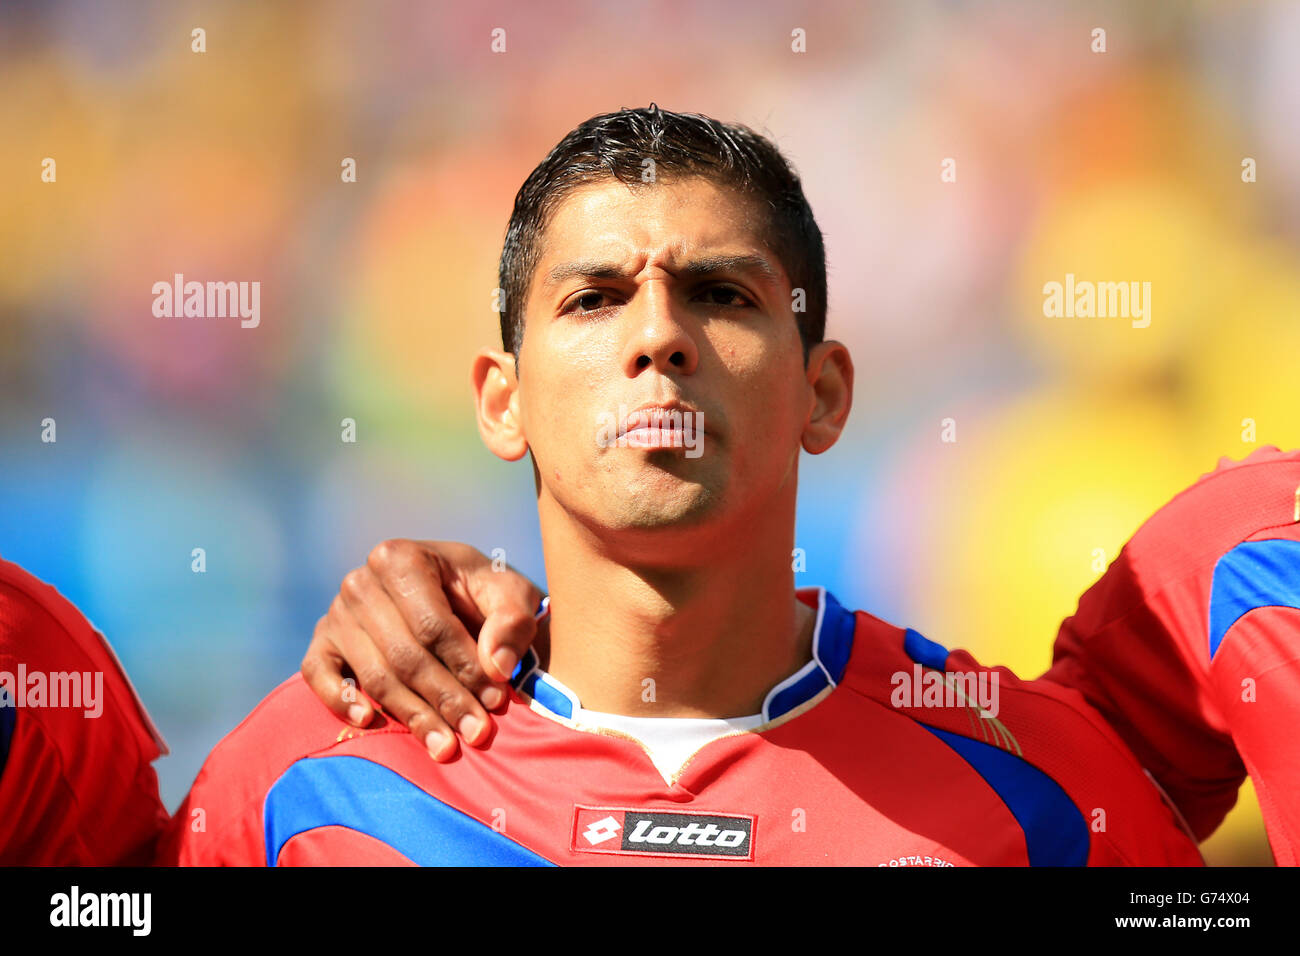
(662, 833)
(601, 830)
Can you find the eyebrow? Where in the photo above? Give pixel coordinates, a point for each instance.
(702, 266)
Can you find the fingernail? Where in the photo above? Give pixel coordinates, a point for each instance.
(436, 743)
(505, 660)
(493, 698)
(357, 714)
(470, 727)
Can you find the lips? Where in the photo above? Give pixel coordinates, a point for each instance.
(661, 416)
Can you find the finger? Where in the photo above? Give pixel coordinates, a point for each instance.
(509, 602)
(377, 679)
(422, 578)
(322, 669)
(505, 637)
(412, 662)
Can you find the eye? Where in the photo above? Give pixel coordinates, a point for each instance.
(730, 292)
(589, 301)
(585, 302)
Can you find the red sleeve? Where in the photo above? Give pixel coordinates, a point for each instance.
(77, 784)
(1189, 644)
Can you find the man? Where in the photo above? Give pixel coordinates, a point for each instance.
(1187, 644)
(77, 785)
(682, 703)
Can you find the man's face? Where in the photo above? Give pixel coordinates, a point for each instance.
(624, 310)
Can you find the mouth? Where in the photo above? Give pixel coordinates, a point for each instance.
(663, 420)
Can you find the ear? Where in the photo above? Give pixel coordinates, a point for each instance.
(496, 404)
(830, 375)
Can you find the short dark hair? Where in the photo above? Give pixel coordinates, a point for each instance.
(615, 145)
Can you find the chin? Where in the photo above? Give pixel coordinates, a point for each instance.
(683, 509)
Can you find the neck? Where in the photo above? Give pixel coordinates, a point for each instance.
(708, 639)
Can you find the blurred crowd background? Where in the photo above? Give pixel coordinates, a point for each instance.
(174, 434)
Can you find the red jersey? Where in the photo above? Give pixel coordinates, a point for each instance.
(77, 784)
(1189, 645)
(884, 750)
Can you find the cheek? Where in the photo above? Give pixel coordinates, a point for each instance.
(750, 351)
(771, 401)
(567, 390)
(757, 368)
(560, 420)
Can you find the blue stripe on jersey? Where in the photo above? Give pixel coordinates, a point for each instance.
(1056, 833)
(370, 798)
(924, 651)
(546, 694)
(8, 719)
(835, 642)
(1254, 574)
(805, 688)
(833, 645)
(527, 664)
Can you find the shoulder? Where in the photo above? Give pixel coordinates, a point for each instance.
(1267, 456)
(44, 630)
(76, 743)
(1050, 755)
(220, 819)
(903, 670)
(290, 723)
(1221, 509)
(292, 784)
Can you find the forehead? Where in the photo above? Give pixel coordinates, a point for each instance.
(669, 222)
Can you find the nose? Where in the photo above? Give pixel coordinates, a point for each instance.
(659, 336)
